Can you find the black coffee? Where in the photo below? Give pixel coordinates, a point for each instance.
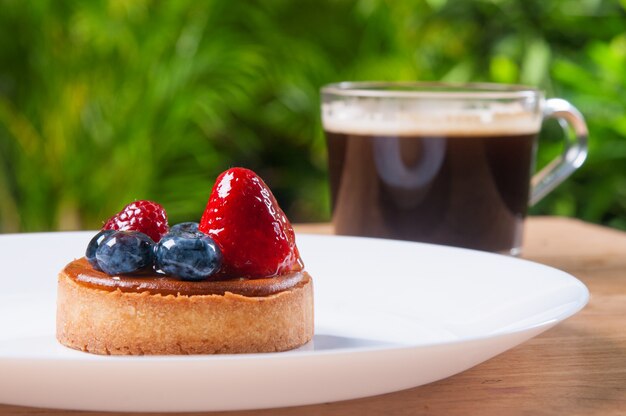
(467, 191)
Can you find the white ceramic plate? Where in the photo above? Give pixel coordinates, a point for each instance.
(390, 315)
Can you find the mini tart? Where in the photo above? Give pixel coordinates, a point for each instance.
(155, 315)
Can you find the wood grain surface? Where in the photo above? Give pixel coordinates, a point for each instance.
(576, 368)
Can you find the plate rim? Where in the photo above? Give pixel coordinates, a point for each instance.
(581, 301)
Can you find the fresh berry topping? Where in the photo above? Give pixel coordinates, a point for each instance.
(93, 245)
(252, 231)
(190, 257)
(144, 216)
(186, 229)
(125, 252)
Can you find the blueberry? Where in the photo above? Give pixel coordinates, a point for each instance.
(125, 252)
(189, 257)
(186, 229)
(93, 245)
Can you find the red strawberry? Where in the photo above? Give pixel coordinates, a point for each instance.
(244, 219)
(145, 216)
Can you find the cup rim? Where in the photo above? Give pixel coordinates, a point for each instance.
(439, 90)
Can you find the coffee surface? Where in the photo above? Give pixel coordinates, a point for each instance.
(462, 190)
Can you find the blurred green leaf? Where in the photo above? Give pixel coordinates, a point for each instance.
(535, 63)
(503, 69)
(106, 101)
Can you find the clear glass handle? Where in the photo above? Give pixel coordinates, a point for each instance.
(574, 151)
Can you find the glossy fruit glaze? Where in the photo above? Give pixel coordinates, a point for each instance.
(252, 231)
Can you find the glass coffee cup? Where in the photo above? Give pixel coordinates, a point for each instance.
(442, 163)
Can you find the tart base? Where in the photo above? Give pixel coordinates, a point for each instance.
(139, 323)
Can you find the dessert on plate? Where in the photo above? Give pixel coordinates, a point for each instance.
(232, 283)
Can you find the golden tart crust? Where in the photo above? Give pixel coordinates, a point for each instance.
(115, 322)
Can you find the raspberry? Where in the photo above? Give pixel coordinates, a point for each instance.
(144, 216)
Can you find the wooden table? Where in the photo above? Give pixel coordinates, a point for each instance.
(576, 368)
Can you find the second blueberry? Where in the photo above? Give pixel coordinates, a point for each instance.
(188, 257)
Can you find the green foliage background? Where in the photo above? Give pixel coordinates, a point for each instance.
(103, 102)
